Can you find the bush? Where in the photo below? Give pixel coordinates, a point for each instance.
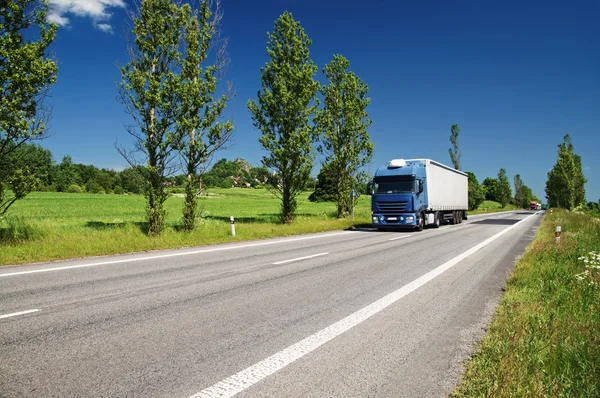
(74, 188)
(15, 230)
(118, 190)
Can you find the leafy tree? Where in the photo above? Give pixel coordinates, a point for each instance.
(504, 190)
(200, 133)
(454, 151)
(343, 121)
(284, 110)
(491, 189)
(37, 160)
(133, 180)
(66, 175)
(326, 186)
(520, 198)
(151, 92)
(565, 184)
(476, 192)
(580, 181)
(26, 74)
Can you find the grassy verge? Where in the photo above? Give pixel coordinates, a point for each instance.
(54, 226)
(544, 340)
(489, 206)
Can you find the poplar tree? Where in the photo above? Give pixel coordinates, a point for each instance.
(284, 110)
(454, 151)
(504, 191)
(344, 121)
(200, 132)
(565, 186)
(150, 90)
(26, 75)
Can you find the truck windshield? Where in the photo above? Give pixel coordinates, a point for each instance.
(394, 187)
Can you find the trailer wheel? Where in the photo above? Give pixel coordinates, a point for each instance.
(421, 224)
(460, 215)
(454, 218)
(436, 220)
(465, 215)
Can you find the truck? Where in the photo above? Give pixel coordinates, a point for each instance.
(533, 205)
(414, 193)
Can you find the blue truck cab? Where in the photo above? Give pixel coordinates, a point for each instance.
(409, 194)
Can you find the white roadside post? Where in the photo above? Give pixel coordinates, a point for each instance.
(232, 225)
(354, 195)
(557, 233)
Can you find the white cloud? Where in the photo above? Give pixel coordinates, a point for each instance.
(104, 27)
(97, 10)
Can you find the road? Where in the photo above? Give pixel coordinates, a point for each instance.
(338, 314)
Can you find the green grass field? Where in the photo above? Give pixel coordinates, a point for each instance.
(52, 226)
(48, 226)
(544, 340)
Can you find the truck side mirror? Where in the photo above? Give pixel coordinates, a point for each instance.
(420, 186)
(370, 188)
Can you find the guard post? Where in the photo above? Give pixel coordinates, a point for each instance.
(232, 225)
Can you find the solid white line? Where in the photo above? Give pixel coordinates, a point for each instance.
(300, 258)
(401, 237)
(250, 376)
(17, 313)
(171, 255)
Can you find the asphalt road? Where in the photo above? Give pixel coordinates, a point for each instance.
(339, 314)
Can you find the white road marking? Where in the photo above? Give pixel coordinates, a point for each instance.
(130, 260)
(300, 258)
(252, 375)
(18, 313)
(401, 237)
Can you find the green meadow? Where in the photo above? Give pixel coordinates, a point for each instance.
(47, 226)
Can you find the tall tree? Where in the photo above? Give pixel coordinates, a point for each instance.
(491, 189)
(344, 121)
(151, 92)
(454, 151)
(284, 110)
(200, 132)
(580, 181)
(26, 75)
(476, 192)
(504, 190)
(565, 185)
(519, 192)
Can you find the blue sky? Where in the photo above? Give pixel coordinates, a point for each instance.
(515, 76)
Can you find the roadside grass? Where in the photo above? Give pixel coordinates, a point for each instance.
(489, 206)
(544, 340)
(53, 226)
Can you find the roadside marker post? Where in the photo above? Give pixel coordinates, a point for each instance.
(557, 233)
(232, 225)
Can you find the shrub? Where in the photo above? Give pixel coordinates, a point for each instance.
(118, 190)
(74, 188)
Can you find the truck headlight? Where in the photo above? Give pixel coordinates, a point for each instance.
(375, 220)
(410, 219)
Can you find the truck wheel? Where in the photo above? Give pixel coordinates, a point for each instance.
(436, 220)
(454, 219)
(421, 224)
(460, 214)
(465, 215)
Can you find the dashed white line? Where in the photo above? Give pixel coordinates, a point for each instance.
(18, 313)
(300, 258)
(187, 253)
(401, 237)
(257, 372)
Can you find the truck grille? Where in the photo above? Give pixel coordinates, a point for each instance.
(391, 207)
